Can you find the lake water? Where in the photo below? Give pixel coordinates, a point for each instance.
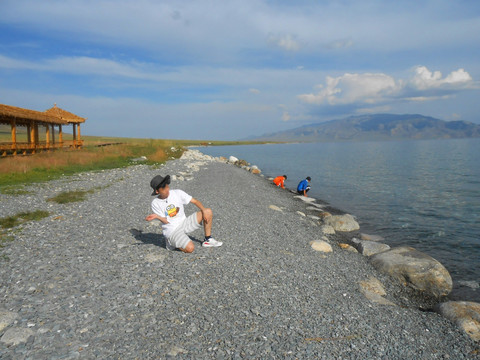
(424, 194)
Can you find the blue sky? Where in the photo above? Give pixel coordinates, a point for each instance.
(226, 70)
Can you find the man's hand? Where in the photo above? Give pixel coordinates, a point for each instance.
(151, 217)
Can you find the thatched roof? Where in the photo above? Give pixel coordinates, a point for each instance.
(25, 116)
(64, 115)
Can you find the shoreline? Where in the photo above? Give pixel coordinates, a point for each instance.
(423, 301)
(94, 280)
(446, 241)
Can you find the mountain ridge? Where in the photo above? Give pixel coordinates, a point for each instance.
(378, 127)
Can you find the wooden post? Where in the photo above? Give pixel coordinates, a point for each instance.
(35, 138)
(47, 136)
(31, 139)
(14, 135)
(60, 135)
(74, 136)
(29, 135)
(53, 135)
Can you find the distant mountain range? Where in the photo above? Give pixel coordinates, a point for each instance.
(377, 127)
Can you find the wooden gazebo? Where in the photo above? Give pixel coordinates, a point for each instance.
(31, 119)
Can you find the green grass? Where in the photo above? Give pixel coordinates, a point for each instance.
(54, 165)
(14, 190)
(71, 196)
(43, 174)
(9, 222)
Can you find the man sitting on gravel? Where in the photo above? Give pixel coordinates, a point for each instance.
(168, 208)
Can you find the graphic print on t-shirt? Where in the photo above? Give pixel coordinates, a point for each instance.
(172, 210)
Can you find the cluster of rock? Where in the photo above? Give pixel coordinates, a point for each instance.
(405, 264)
(199, 159)
(243, 164)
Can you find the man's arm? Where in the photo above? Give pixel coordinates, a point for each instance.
(155, 216)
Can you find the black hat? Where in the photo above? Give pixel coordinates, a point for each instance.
(309, 178)
(159, 182)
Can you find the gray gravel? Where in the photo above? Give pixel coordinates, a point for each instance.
(94, 280)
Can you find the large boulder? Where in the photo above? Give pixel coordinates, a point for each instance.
(369, 248)
(465, 314)
(342, 222)
(416, 269)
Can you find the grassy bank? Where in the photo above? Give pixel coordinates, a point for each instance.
(97, 154)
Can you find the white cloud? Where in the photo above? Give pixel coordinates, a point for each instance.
(254, 91)
(369, 88)
(424, 79)
(352, 88)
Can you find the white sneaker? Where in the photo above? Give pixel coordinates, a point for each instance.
(212, 243)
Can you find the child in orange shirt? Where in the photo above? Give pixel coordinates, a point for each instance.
(279, 180)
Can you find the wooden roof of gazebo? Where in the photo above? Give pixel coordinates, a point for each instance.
(64, 115)
(25, 116)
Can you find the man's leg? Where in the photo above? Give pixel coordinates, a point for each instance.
(207, 221)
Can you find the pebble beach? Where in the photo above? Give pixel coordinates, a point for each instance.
(94, 279)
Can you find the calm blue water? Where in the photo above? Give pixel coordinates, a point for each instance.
(424, 194)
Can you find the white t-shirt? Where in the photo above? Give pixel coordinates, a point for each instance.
(172, 209)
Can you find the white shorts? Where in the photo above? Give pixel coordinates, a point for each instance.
(179, 238)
